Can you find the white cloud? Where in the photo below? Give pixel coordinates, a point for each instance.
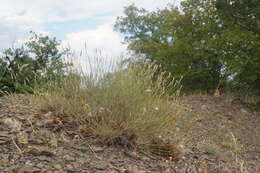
(102, 38)
(18, 17)
(62, 10)
(101, 44)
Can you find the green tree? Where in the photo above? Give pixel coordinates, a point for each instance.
(37, 62)
(245, 13)
(181, 40)
(196, 41)
(242, 18)
(16, 70)
(49, 57)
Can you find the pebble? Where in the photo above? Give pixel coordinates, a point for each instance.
(57, 166)
(70, 159)
(100, 165)
(40, 165)
(70, 168)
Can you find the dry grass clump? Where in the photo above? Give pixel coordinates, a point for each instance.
(128, 106)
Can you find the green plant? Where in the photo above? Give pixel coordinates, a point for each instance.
(124, 107)
(175, 38)
(35, 63)
(211, 149)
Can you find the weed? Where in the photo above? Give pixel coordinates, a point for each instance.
(125, 106)
(211, 149)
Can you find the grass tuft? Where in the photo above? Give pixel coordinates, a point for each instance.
(127, 107)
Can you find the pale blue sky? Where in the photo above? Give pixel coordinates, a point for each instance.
(75, 22)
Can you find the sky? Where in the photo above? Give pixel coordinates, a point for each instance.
(79, 24)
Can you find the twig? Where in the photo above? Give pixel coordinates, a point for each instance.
(94, 152)
(18, 148)
(148, 155)
(28, 119)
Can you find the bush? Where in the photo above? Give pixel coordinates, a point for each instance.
(37, 62)
(125, 107)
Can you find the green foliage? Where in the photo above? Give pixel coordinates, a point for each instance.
(177, 41)
(37, 62)
(242, 38)
(195, 41)
(245, 13)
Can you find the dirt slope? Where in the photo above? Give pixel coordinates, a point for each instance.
(224, 136)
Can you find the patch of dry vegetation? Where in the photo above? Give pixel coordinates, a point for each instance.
(129, 107)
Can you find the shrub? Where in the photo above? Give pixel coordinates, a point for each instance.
(37, 62)
(123, 107)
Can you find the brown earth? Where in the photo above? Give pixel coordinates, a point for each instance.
(222, 135)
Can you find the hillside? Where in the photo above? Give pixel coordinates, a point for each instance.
(217, 134)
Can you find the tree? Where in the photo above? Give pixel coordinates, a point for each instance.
(195, 41)
(245, 13)
(47, 54)
(39, 61)
(242, 18)
(176, 39)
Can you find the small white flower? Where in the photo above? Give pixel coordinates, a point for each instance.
(156, 108)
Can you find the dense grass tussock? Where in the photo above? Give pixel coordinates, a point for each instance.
(124, 107)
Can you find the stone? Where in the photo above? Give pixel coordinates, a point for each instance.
(40, 150)
(243, 111)
(54, 142)
(57, 166)
(13, 124)
(70, 168)
(69, 158)
(40, 165)
(100, 165)
(26, 169)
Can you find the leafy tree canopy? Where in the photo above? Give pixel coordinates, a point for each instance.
(39, 60)
(195, 41)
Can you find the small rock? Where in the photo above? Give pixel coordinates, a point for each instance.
(49, 172)
(204, 107)
(45, 133)
(57, 166)
(48, 114)
(101, 165)
(134, 170)
(44, 158)
(70, 168)
(81, 148)
(54, 142)
(242, 110)
(69, 158)
(40, 150)
(13, 124)
(40, 165)
(26, 169)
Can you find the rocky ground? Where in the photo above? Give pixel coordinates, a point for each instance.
(224, 136)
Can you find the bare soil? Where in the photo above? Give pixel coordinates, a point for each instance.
(223, 136)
